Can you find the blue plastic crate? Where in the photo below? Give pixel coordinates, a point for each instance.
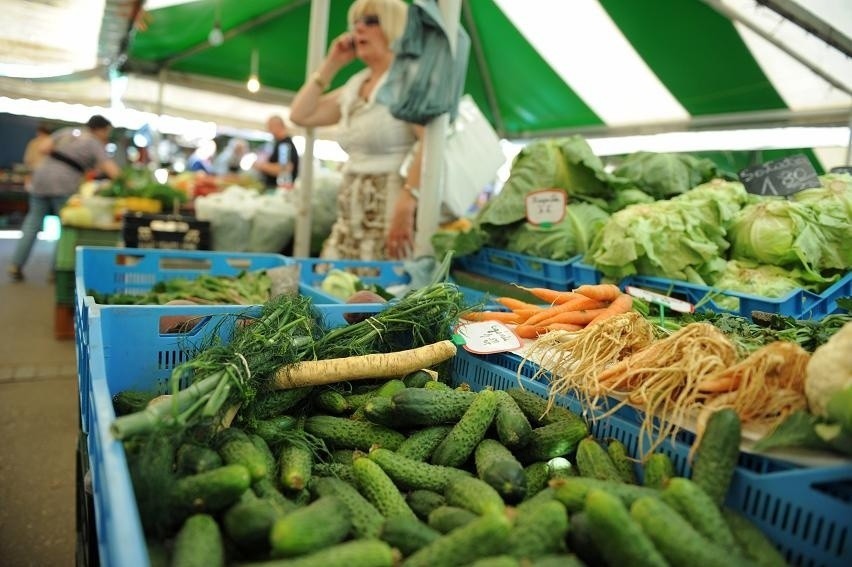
(132, 270)
(127, 351)
(800, 304)
(511, 267)
(806, 512)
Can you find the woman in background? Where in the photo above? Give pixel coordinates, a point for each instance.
(376, 205)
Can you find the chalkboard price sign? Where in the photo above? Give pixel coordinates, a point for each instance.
(780, 177)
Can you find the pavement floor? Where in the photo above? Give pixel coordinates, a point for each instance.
(39, 419)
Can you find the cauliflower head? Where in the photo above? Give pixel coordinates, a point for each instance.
(829, 370)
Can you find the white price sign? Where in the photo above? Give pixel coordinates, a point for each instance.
(488, 337)
(670, 302)
(546, 207)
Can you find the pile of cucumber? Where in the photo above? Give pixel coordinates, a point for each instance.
(420, 474)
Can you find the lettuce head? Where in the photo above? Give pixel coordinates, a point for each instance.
(570, 237)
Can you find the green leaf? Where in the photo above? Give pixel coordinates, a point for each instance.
(798, 430)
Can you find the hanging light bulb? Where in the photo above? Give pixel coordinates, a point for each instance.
(216, 37)
(253, 83)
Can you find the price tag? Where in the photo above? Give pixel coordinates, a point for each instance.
(842, 169)
(670, 302)
(488, 337)
(780, 177)
(546, 207)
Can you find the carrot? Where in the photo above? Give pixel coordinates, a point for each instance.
(549, 295)
(384, 365)
(524, 314)
(601, 292)
(515, 304)
(529, 331)
(621, 304)
(577, 304)
(581, 317)
(502, 316)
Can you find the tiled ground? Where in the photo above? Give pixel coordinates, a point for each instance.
(38, 421)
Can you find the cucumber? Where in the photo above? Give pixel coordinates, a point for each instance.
(561, 468)
(540, 529)
(554, 440)
(357, 553)
(421, 407)
(265, 489)
(210, 491)
(366, 520)
(409, 474)
(497, 466)
(277, 402)
(716, 456)
(658, 470)
(474, 495)
(386, 390)
(438, 386)
(594, 462)
(513, 427)
(573, 491)
(275, 430)
(617, 536)
(698, 509)
(199, 543)
(535, 408)
(379, 410)
(194, 459)
(408, 535)
(421, 444)
(752, 543)
(333, 402)
(623, 464)
(342, 456)
(379, 489)
(295, 463)
(348, 434)
(417, 379)
(580, 540)
(236, 448)
(447, 518)
(335, 470)
(422, 502)
(497, 561)
(318, 525)
(563, 560)
(247, 523)
(483, 537)
(536, 474)
(542, 496)
(676, 539)
(465, 435)
(263, 447)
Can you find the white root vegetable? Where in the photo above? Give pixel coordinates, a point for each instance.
(385, 365)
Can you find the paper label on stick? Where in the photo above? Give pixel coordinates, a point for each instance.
(546, 207)
(670, 302)
(488, 337)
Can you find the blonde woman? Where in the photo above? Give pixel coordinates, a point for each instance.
(376, 205)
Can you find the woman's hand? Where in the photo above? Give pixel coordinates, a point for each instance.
(400, 242)
(342, 51)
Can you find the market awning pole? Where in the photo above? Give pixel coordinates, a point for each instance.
(434, 138)
(849, 143)
(156, 136)
(316, 50)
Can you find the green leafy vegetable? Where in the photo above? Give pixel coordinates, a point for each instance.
(571, 236)
(662, 175)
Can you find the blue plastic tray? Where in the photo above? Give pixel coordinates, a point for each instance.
(800, 304)
(806, 512)
(511, 267)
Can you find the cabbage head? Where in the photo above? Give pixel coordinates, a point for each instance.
(663, 175)
(832, 204)
(570, 237)
(718, 200)
(766, 281)
(781, 232)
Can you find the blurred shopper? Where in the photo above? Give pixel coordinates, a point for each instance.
(376, 205)
(282, 165)
(33, 154)
(202, 158)
(228, 160)
(70, 153)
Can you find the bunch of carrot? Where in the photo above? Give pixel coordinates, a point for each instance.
(563, 310)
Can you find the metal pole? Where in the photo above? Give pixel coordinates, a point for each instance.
(434, 141)
(316, 51)
(849, 144)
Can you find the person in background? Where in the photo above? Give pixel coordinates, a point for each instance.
(376, 204)
(202, 158)
(33, 156)
(282, 165)
(70, 153)
(228, 160)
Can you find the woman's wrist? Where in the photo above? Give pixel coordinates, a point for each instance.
(412, 190)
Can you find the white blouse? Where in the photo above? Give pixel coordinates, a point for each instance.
(375, 141)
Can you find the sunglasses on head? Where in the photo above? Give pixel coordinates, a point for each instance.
(368, 20)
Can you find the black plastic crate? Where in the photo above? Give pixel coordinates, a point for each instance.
(169, 232)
